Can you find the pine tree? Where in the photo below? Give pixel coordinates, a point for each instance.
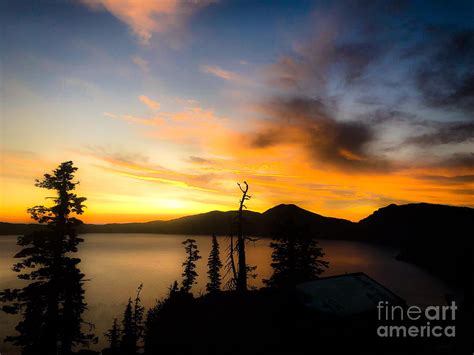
(189, 274)
(214, 265)
(113, 337)
(52, 303)
(296, 256)
(132, 325)
(138, 312)
(173, 289)
(128, 341)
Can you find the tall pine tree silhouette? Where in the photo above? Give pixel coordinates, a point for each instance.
(52, 303)
(132, 325)
(128, 342)
(296, 256)
(113, 337)
(189, 273)
(138, 313)
(214, 266)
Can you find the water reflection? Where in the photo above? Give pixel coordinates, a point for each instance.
(116, 264)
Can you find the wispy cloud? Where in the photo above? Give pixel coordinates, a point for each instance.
(154, 105)
(445, 133)
(192, 124)
(149, 16)
(137, 166)
(197, 160)
(82, 86)
(445, 77)
(146, 121)
(21, 164)
(141, 63)
(224, 74)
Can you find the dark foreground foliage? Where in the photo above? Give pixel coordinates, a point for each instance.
(271, 321)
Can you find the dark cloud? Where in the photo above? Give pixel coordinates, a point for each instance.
(457, 160)
(356, 57)
(381, 116)
(445, 133)
(464, 191)
(325, 54)
(445, 77)
(308, 122)
(198, 160)
(459, 179)
(117, 155)
(368, 66)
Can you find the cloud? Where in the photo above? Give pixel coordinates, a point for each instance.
(119, 157)
(154, 105)
(146, 121)
(310, 124)
(457, 161)
(191, 125)
(445, 133)
(135, 165)
(312, 65)
(21, 164)
(445, 76)
(351, 92)
(223, 74)
(315, 79)
(327, 54)
(441, 179)
(81, 86)
(148, 16)
(198, 160)
(141, 63)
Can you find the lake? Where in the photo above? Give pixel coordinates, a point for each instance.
(116, 264)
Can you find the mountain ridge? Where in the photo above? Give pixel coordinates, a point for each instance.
(257, 223)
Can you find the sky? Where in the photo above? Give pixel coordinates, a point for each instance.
(340, 107)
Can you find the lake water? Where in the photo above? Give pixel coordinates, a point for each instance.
(116, 264)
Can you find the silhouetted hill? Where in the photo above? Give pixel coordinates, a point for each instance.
(18, 228)
(201, 224)
(221, 223)
(437, 237)
(394, 224)
(224, 223)
(316, 225)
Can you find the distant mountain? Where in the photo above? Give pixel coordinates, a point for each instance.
(317, 226)
(221, 223)
(224, 223)
(217, 222)
(18, 228)
(395, 224)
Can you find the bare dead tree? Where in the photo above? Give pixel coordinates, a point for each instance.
(239, 271)
(242, 263)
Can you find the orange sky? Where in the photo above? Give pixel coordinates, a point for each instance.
(123, 188)
(165, 105)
